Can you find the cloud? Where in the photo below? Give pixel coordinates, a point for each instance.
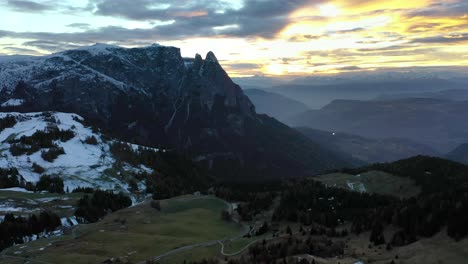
(17, 50)
(51, 46)
(79, 25)
(27, 6)
(422, 27)
(201, 17)
(4, 33)
(442, 39)
(441, 9)
(243, 66)
(350, 68)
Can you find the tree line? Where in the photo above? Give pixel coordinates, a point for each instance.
(13, 230)
(93, 207)
(41, 140)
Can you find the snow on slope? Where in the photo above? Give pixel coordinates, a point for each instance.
(82, 165)
(13, 102)
(40, 71)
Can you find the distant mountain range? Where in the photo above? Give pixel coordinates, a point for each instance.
(454, 94)
(452, 74)
(152, 96)
(275, 105)
(317, 96)
(440, 124)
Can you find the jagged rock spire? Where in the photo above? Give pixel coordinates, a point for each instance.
(210, 57)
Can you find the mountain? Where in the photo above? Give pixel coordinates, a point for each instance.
(459, 154)
(152, 96)
(365, 149)
(316, 95)
(454, 94)
(275, 105)
(440, 124)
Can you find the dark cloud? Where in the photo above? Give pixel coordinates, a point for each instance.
(27, 6)
(194, 18)
(118, 35)
(79, 25)
(443, 39)
(242, 66)
(422, 27)
(302, 38)
(442, 9)
(389, 48)
(201, 18)
(352, 30)
(4, 33)
(350, 68)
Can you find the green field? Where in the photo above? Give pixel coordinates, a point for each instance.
(137, 233)
(373, 181)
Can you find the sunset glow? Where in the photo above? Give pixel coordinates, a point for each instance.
(310, 37)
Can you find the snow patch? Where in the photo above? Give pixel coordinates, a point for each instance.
(16, 189)
(13, 102)
(82, 165)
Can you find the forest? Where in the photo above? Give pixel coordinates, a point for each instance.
(93, 207)
(174, 173)
(14, 230)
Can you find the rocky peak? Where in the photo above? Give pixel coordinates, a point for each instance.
(210, 57)
(217, 83)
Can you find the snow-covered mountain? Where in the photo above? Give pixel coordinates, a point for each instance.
(86, 162)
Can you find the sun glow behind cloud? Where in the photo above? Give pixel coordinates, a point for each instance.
(328, 10)
(313, 37)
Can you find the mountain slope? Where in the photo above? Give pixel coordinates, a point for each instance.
(153, 96)
(275, 105)
(367, 150)
(86, 160)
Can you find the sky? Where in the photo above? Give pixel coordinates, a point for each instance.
(252, 37)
